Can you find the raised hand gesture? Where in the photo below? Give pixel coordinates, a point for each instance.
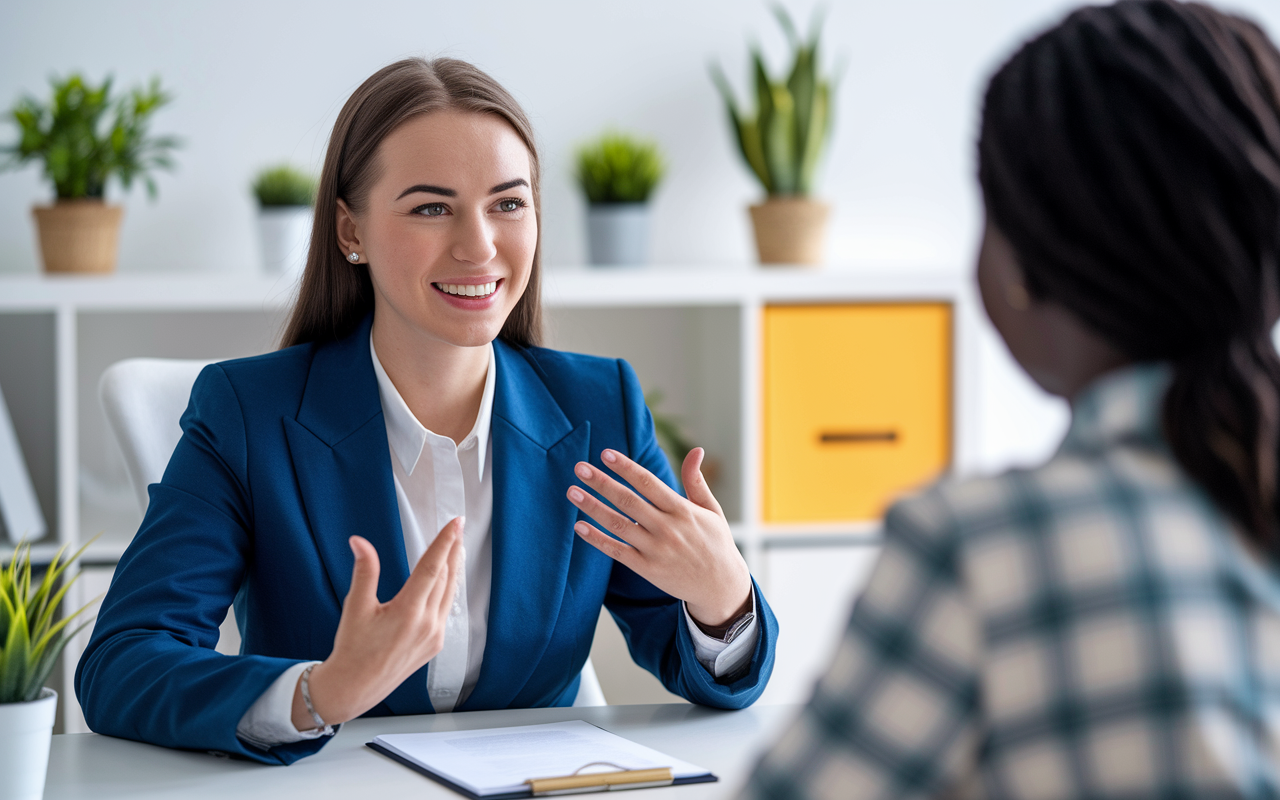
(683, 547)
(379, 645)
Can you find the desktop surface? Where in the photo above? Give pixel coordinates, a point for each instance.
(99, 767)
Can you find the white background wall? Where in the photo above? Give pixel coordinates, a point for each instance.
(261, 81)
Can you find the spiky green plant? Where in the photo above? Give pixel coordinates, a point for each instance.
(783, 140)
(31, 636)
(617, 168)
(84, 137)
(284, 185)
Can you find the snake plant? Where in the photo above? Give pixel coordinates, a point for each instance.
(782, 141)
(31, 636)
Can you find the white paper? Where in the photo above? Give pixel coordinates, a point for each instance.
(500, 760)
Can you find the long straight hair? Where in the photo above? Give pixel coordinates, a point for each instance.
(1132, 157)
(335, 295)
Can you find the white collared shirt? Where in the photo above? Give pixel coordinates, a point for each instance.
(435, 481)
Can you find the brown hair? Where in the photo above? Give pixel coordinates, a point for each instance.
(335, 294)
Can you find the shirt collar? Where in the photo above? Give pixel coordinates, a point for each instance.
(1122, 405)
(408, 437)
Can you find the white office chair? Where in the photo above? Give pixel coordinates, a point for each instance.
(143, 399)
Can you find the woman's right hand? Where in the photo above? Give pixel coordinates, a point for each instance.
(379, 645)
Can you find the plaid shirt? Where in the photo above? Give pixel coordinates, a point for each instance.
(1092, 628)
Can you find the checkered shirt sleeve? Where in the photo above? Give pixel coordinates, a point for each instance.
(895, 714)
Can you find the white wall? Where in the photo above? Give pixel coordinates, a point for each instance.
(257, 82)
(261, 81)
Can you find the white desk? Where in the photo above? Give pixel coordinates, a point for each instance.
(99, 767)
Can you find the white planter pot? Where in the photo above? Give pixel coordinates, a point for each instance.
(285, 232)
(618, 233)
(26, 730)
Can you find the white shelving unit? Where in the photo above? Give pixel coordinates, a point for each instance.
(692, 333)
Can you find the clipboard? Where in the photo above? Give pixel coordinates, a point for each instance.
(426, 754)
(465, 792)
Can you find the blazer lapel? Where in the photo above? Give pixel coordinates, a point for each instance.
(342, 461)
(534, 450)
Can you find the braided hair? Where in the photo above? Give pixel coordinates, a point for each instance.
(1131, 155)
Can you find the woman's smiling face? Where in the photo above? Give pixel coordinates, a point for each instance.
(449, 228)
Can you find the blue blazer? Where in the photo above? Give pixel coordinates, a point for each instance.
(285, 455)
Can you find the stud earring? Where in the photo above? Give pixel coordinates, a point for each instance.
(1017, 296)
(354, 258)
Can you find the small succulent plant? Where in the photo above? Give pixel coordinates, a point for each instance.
(284, 185)
(617, 168)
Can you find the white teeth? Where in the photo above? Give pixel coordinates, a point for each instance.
(468, 290)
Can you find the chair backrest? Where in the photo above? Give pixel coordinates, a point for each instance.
(589, 691)
(143, 399)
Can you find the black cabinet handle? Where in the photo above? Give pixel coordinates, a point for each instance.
(857, 437)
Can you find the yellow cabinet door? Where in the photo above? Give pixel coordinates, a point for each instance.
(857, 406)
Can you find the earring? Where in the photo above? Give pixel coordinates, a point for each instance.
(354, 258)
(1016, 295)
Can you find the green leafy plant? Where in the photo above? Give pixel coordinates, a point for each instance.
(617, 168)
(284, 185)
(84, 137)
(782, 141)
(31, 636)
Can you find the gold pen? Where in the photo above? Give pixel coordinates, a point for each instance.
(601, 781)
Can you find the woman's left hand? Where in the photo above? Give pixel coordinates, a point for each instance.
(683, 547)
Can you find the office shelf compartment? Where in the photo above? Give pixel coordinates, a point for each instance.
(28, 378)
(691, 356)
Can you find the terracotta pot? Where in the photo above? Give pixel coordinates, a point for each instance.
(790, 230)
(79, 235)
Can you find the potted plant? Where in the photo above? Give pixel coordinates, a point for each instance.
(781, 143)
(31, 639)
(285, 196)
(84, 138)
(618, 173)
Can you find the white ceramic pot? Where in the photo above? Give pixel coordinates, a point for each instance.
(618, 233)
(26, 730)
(285, 232)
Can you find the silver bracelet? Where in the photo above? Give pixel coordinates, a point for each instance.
(305, 685)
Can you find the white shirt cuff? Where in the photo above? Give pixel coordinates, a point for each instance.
(722, 659)
(269, 721)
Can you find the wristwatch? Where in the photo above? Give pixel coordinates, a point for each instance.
(737, 627)
(731, 630)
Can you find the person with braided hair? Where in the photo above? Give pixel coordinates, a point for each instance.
(1107, 624)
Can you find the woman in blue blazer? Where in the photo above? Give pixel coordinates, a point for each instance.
(291, 493)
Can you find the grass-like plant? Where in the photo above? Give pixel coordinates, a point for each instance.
(84, 137)
(284, 185)
(782, 141)
(617, 168)
(31, 636)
